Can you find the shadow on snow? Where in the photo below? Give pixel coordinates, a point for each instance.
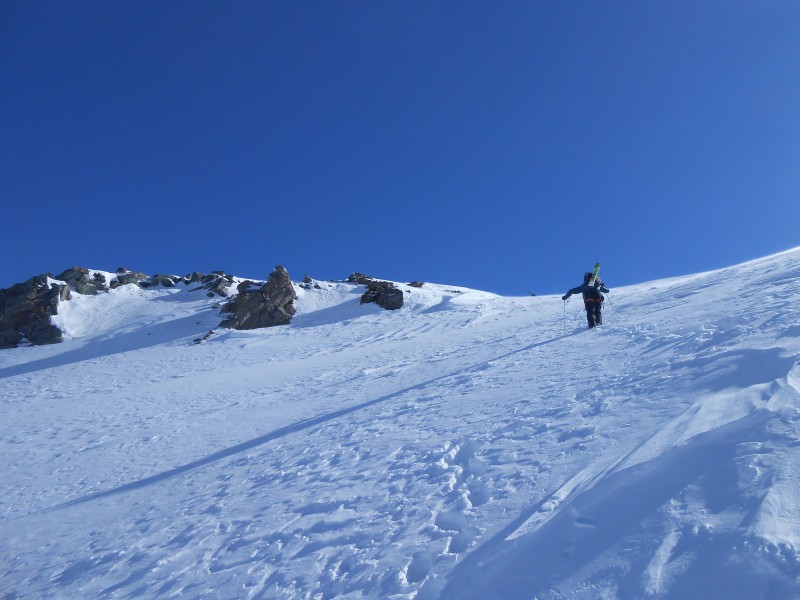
(284, 431)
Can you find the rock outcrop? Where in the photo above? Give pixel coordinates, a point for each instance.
(309, 283)
(26, 308)
(165, 280)
(360, 279)
(216, 282)
(84, 281)
(266, 305)
(384, 294)
(126, 277)
(25, 311)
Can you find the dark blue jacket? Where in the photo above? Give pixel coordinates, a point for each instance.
(592, 294)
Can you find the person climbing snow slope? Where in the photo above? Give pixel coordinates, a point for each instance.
(592, 298)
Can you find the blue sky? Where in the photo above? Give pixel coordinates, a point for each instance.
(505, 146)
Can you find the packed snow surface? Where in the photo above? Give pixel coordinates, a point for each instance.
(467, 446)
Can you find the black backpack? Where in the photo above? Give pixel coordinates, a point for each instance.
(592, 293)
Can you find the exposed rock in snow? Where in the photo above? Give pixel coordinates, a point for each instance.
(84, 281)
(25, 311)
(256, 306)
(359, 279)
(166, 280)
(217, 283)
(125, 277)
(309, 283)
(384, 294)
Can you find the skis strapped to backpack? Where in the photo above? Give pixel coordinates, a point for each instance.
(594, 274)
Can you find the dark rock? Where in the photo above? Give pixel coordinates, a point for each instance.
(217, 283)
(310, 284)
(84, 281)
(73, 273)
(131, 277)
(384, 294)
(25, 311)
(359, 279)
(257, 306)
(416, 284)
(230, 306)
(200, 340)
(165, 280)
(170, 280)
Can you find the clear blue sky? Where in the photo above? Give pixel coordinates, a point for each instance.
(505, 146)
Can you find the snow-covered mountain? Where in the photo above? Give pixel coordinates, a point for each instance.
(466, 446)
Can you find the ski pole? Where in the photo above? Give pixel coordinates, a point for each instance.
(565, 317)
(608, 297)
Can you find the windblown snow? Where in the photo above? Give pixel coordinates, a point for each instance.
(467, 446)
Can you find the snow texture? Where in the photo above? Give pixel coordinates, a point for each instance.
(467, 446)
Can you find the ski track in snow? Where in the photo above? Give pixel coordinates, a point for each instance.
(466, 446)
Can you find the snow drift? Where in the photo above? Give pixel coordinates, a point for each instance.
(465, 446)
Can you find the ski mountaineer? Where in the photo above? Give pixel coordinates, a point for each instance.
(592, 298)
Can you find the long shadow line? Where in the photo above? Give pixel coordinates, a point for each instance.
(110, 344)
(279, 433)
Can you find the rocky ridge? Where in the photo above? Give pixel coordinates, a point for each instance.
(26, 308)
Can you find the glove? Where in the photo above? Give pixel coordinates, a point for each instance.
(563, 297)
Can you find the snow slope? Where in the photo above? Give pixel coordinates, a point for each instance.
(468, 446)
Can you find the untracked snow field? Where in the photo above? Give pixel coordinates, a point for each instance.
(467, 446)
